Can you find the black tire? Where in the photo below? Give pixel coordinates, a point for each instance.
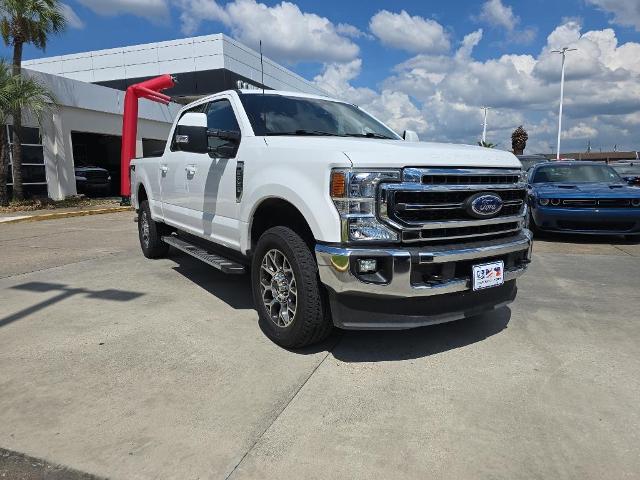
(531, 224)
(151, 240)
(311, 321)
(632, 238)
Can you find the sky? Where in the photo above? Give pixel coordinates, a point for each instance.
(428, 66)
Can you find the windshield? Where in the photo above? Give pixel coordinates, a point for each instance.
(281, 115)
(575, 174)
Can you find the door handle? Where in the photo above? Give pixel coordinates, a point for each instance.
(164, 168)
(190, 169)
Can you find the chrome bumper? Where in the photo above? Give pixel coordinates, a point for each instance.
(336, 268)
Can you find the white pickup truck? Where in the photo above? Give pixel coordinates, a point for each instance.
(340, 220)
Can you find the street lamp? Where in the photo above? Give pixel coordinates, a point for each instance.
(484, 125)
(563, 52)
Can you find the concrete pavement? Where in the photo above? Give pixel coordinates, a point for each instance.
(134, 369)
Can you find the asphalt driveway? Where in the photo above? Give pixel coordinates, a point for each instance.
(128, 368)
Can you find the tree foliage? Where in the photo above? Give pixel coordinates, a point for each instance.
(519, 139)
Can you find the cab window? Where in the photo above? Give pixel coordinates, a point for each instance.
(220, 116)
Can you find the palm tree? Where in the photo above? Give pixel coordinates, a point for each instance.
(519, 139)
(18, 93)
(487, 144)
(26, 21)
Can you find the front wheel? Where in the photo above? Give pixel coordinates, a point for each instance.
(291, 304)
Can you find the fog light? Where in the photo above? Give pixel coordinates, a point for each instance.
(367, 265)
(555, 202)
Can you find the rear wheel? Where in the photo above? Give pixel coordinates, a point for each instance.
(150, 233)
(287, 292)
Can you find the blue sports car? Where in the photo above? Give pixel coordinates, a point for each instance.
(582, 197)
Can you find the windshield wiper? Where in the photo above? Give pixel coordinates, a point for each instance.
(305, 132)
(369, 135)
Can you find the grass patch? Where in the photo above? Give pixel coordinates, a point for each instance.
(48, 204)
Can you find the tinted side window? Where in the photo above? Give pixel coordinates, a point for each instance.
(220, 116)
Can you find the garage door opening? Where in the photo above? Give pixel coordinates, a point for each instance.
(96, 159)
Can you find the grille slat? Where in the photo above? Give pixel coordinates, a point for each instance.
(415, 207)
(597, 202)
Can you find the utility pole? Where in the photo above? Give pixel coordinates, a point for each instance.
(484, 125)
(562, 52)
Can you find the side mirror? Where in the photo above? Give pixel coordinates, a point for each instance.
(410, 136)
(223, 143)
(191, 133)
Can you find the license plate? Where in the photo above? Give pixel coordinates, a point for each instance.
(488, 275)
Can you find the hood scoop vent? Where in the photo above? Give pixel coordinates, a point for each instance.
(567, 187)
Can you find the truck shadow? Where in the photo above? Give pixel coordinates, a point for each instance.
(234, 290)
(395, 345)
(352, 345)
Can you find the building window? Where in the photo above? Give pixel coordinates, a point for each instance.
(34, 176)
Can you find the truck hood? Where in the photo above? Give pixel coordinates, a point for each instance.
(369, 152)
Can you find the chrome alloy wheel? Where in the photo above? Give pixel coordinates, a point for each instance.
(278, 288)
(144, 225)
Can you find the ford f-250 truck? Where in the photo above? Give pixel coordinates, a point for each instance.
(340, 220)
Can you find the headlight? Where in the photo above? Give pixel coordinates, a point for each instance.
(524, 176)
(354, 194)
(543, 201)
(81, 179)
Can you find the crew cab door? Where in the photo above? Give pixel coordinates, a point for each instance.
(211, 178)
(173, 178)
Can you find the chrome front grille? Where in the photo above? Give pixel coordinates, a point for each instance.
(430, 205)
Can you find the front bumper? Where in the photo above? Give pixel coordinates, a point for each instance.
(594, 221)
(413, 278)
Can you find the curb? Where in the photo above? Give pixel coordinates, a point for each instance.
(57, 215)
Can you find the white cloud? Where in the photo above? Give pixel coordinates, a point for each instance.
(440, 95)
(151, 9)
(411, 33)
(287, 33)
(580, 131)
(71, 17)
(625, 12)
(496, 14)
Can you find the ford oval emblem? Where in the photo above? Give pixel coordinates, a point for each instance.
(484, 205)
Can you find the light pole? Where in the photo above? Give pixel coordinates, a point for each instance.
(563, 52)
(484, 125)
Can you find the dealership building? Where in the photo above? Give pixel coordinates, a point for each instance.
(85, 129)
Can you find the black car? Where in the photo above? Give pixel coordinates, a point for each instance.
(92, 180)
(629, 170)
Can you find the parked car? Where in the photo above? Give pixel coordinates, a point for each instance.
(629, 171)
(92, 180)
(529, 161)
(582, 197)
(340, 220)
